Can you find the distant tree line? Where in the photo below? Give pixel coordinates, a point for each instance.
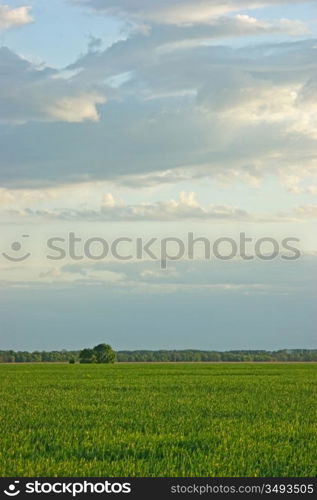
(102, 354)
(216, 356)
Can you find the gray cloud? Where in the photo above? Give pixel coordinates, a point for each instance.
(245, 317)
(32, 92)
(236, 275)
(178, 113)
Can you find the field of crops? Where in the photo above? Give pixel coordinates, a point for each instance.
(158, 420)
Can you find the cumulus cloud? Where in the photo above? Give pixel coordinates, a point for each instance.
(164, 105)
(13, 18)
(76, 109)
(185, 208)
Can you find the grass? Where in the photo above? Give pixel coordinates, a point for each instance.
(158, 420)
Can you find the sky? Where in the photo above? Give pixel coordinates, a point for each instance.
(158, 174)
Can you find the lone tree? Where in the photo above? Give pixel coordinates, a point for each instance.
(87, 356)
(102, 353)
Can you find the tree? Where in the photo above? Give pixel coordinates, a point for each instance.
(87, 356)
(104, 353)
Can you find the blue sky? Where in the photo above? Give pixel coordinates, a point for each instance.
(65, 31)
(156, 119)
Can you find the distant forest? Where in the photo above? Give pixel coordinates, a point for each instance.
(164, 356)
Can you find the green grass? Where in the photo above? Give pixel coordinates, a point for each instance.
(158, 420)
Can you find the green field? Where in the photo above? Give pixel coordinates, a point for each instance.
(158, 420)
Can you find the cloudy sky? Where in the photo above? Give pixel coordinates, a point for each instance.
(141, 120)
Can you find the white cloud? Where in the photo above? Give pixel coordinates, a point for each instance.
(76, 109)
(86, 274)
(177, 11)
(185, 208)
(108, 201)
(302, 178)
(13, 18)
